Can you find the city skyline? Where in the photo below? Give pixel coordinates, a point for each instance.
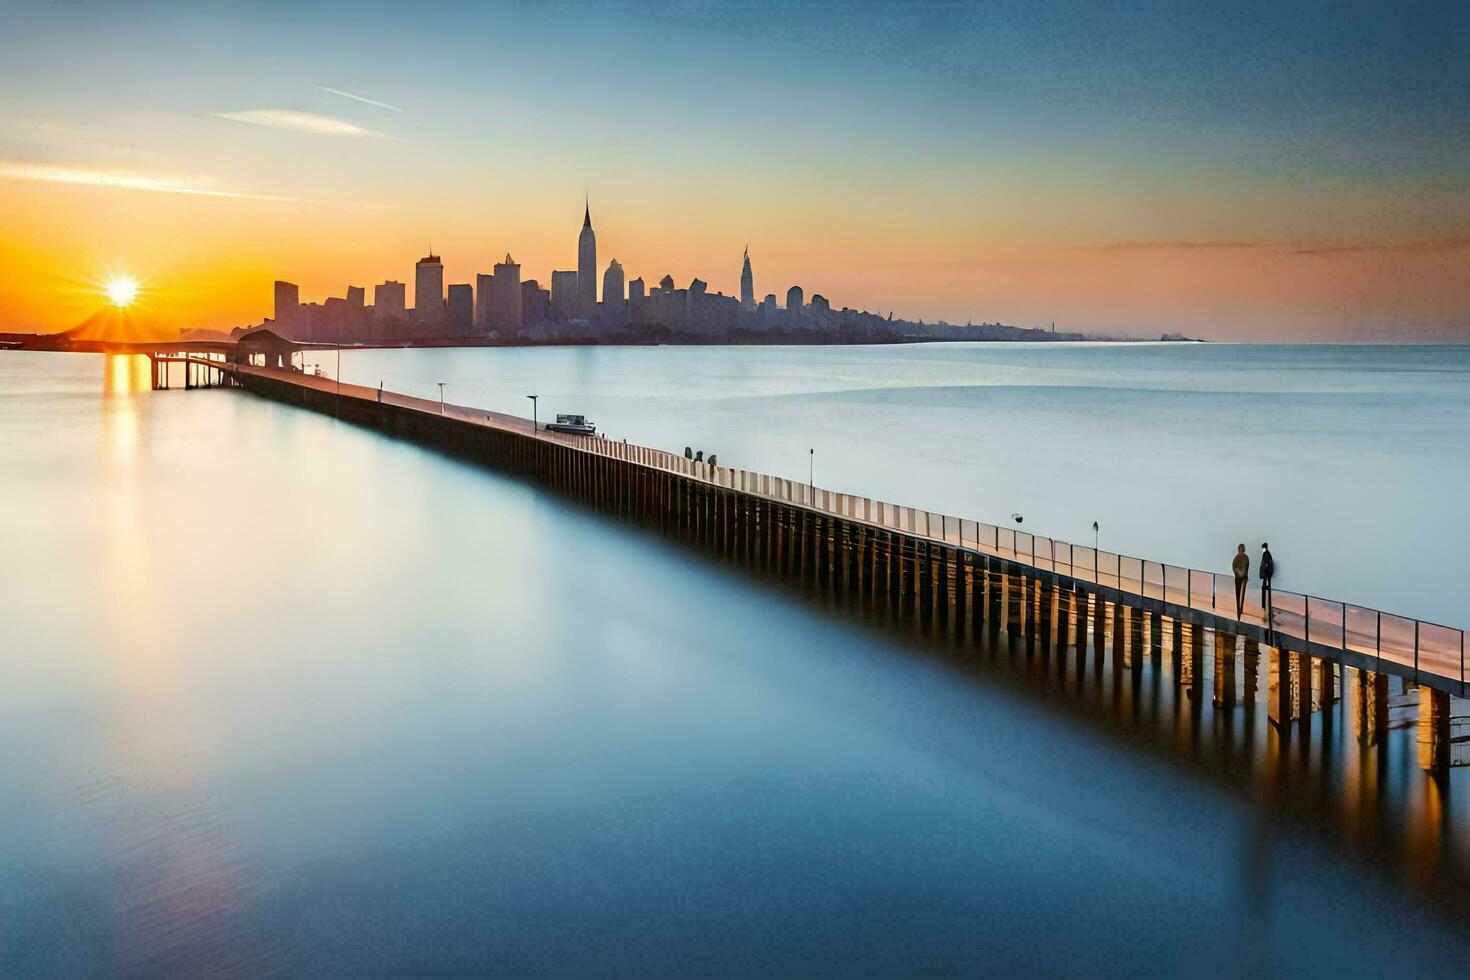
(1296, 174)
(502, 305)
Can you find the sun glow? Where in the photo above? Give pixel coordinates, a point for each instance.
(122, 290)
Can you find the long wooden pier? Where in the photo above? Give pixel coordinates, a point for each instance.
(980, 574)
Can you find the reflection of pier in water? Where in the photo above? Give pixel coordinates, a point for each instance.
(1319, 712)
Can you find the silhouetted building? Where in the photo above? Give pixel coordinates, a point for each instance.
(768, 311)
(504, 306)
(586, 269)
(355, 296)
(482, 301)
(667, 306)
(565, 299)
(287, 306)
(637, 303)
(721, 313)
(428, 290)
(793, 306)
(389, 302)
(535, 303)
(462, 309)
(747, 285)
(697, 318)
(821, 312)
(613, 310)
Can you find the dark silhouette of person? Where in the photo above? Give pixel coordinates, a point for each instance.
(1241, 566)
(1268, 568)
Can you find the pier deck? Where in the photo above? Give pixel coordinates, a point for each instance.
(853, 530)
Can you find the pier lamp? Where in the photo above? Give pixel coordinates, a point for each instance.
(811, 472)
(535, 425)
(441, 385)
(1094, 535)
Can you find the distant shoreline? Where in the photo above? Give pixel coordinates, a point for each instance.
(64, 343)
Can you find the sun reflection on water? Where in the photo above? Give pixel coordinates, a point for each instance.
(126, 374)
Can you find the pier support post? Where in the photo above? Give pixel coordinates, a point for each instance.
(1225, 669)
(1284, 688)
(1192, 664)
(1015, 602)
(1370, 706)
(1064, 616)
(1099, 623)
(1135, 637)
(1252, 671)
(1120, 643)
(1434, 730)
(1305, 703)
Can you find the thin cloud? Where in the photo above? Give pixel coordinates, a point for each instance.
(359, 98)
(1427, 245)
(1120, 246)
(300, 122)
(1448, 244)
(161, 184)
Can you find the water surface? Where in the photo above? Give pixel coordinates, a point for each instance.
(1349, 461)
(281, 694)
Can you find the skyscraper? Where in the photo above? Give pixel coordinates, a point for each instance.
(747, 285)
(696, 309)
(428, 290)
(613, 310)
(564, 295)
(586, 268)
(388, 301)
(793, 305)
(504, 305)
(355, 296)
(535, 303)
(482, 301)
(288, 304)
(462, 309)
(637, 303)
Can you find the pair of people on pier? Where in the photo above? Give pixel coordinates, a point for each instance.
(1241, 566)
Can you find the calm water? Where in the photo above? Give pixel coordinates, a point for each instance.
(279, 694)
(1350, 461)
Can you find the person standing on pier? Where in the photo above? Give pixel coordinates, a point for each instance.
(1268, 568)
(1241, 566)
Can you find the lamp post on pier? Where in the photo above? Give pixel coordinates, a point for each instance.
(441, 396)
(535, 422)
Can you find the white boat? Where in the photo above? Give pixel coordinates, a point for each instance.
(576, 425)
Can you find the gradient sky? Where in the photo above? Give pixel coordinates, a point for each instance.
(1249, 171)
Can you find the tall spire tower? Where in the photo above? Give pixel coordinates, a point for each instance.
(747, 284)
(587, 266)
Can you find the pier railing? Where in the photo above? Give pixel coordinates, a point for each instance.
(1421, 646)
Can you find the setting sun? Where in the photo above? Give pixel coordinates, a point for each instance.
(122, 290)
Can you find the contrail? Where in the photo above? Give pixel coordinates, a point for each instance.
(359, 98)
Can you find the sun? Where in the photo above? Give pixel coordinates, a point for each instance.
(122, 290)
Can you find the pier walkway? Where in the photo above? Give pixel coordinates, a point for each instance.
(1048, 586)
